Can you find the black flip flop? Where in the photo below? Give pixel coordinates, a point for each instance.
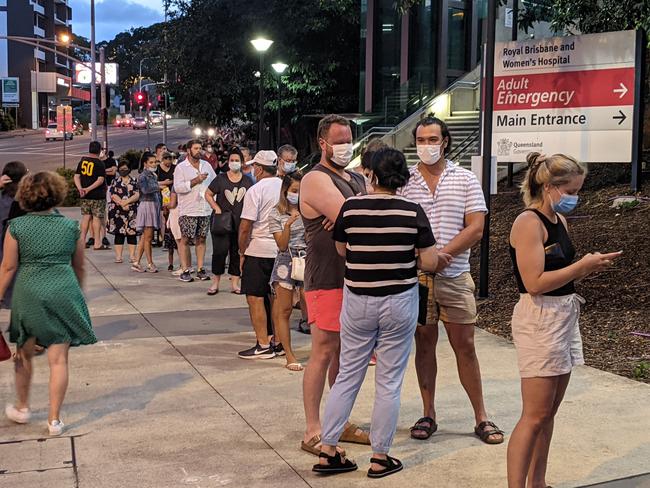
(391, 464)
(212, 292)
(429, 430)
(335, 465)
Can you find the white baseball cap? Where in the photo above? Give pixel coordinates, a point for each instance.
(265, 158)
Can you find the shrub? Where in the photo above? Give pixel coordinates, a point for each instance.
(72, 198)
(7, 121)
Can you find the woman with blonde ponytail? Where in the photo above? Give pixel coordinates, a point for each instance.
(545, 320)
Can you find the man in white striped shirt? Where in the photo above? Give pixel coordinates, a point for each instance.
(453, 201)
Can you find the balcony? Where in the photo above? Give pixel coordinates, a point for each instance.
(38, 8)
(65, 2)
(38, 54)
(38, 32)
(59, 21)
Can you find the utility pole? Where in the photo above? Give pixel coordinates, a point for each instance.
(488, 110)
(93, 80)
(102, 71)
(165, 77)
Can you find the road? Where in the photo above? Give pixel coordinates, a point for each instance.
(40, 155)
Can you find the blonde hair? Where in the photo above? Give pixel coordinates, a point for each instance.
(41, 191)
(555, 170)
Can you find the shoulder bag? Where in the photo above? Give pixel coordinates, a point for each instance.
(297, 265)
(221, 223)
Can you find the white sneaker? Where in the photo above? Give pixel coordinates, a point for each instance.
(56, 427)
(21, 416)
(178, 272)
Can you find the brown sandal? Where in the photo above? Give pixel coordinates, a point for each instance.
(484, 434)
(314, 445)
(350, 435)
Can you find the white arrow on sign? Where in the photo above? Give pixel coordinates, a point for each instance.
(622, 90)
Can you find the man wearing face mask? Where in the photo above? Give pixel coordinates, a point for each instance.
(258, 251)
(453, 201)
(247, 169)
(191, 180)
(210, 156)
(322, 194)
(287, 160)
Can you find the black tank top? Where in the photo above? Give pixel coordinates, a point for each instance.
(559, 253)
(324, 268)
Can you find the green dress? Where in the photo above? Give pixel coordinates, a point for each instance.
(47, 300)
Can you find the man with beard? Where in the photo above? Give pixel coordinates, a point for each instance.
(322, 194)
(191, 179)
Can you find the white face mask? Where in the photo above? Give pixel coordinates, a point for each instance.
(293, 198)
(152, 168)
(429, 153)
(234, 166)
(341, 153)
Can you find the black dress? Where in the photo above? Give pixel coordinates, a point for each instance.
(230, 198)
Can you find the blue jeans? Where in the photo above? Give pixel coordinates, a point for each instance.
(386, 325)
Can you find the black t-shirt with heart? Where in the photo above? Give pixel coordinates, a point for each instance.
(230, 196)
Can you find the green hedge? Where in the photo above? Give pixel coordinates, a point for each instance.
(72, 198)
(7, 121)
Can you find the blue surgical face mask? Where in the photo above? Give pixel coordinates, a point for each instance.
(566, 203)
(292, 198)
(289, 167)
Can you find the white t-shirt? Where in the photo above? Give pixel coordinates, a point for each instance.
(258, 204)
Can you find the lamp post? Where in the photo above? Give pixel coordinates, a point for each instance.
(261, 45)
(279, 68)
(93, 80)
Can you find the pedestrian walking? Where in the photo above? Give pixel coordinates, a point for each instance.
(49, 312)
(148, 214)
(122, 212)
(453, 201)
(384, 238)
(226, 197)
(545, 326)
(192, 178)
(89, 179)
(322, 194)
(288, 231)
(258, 250)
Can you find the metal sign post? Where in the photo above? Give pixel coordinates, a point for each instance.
(639, 103)
(65, 135)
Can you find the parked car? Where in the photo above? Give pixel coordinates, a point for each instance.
(53, 133)
(140, 123)
(77, 128)
(156, 117)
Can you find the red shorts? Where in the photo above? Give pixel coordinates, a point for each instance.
(324, 308)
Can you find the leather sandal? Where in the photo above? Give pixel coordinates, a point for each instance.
(335, 464)
(350, 435)
(421, 426)
(484, 434)
(391, 464)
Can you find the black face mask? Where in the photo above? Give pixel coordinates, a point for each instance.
(124, 172)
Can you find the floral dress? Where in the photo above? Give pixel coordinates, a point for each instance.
(122, 221)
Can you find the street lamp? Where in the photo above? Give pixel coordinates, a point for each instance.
(279, 68)
(261, 45)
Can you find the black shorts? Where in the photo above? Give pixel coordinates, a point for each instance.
(256, 276)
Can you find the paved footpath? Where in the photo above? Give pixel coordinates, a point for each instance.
(162, 401)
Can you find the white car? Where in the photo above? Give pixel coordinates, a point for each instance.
(52, 133)
(156, 117)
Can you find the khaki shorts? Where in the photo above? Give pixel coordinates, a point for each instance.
(546, 334)
(450, 299)
(96, 208)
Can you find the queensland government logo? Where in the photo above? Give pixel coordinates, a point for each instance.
(504, 147)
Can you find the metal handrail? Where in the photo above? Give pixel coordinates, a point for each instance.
(459, 151)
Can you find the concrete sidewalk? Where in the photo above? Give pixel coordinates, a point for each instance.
(163, 401)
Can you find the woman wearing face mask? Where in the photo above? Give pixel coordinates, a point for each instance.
(149, 211)
(122, 211)
(288, 230)
(545, 320)
(226, 197)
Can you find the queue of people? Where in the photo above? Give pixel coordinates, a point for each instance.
(374, 258)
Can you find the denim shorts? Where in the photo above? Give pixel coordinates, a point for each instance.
(282, 271)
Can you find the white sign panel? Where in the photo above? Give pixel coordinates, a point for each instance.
(10, 90)
(83, 73)
(572, 95)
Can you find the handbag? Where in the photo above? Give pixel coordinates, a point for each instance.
(5, 352)
(297, 265)
(221, 223)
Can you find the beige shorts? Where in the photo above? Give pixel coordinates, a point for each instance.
(450, 299)
(546, 334)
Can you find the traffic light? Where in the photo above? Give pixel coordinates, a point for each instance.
(141, 98)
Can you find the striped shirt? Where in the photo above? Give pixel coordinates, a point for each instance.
(458, 194)
(381, 233)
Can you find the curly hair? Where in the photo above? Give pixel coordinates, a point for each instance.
(41, 191)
